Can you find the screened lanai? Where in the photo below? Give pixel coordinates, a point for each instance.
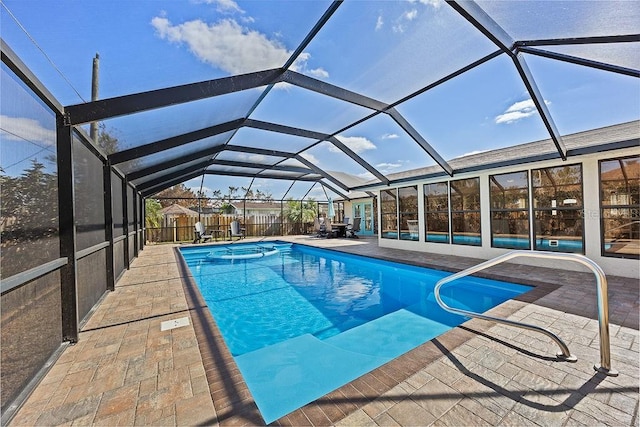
(106, 104)
(299, 103)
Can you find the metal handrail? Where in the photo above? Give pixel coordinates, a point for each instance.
(603, 304)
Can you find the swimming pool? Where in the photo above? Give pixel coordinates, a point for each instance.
(304, 321)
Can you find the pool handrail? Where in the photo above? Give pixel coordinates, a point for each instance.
(603, 304)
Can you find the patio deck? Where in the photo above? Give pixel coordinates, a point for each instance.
(126, 371)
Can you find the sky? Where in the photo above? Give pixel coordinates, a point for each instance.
(385, 50)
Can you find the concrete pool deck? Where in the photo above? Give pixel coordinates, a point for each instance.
(130, 368)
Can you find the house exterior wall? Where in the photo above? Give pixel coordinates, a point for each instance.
(626, 267)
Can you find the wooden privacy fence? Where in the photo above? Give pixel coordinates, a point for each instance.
(181, 228)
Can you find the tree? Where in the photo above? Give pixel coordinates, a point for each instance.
(263, 196)
(226, 208)
(297, 211)
(248, 193)
(232, 192)
(153, 215)
(29, 219)
(106, 140)
(216, 202)
(179, 194)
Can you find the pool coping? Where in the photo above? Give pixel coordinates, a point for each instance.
(234, 404)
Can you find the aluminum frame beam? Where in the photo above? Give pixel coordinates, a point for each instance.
(93, 111)
(344, 196)
(581, 61)
(257, 124)
(173, 142)
(324, 88)
(327, 89)
(208, 161)
(625, 38)
(198, 167)
(202, 154)
(477, 17)
(158, 188)
(314, 31)
(319, 171)
(255, 150)
(298, 157)
(261, 175)
(279, 168)
(538, 100)
(15, 64)
(417, 137)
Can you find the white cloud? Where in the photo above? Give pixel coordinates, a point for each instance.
(390, 136)
(518, 111)
(402, 22)
(310, 157)
(252, 158)
(319, 73)
(388, 165)
(366, 176)
(228, 45)
(514, 116)
(22, 128)
(379, 23)
(410, 15)
(356, 143)
(433, 3)
(224, 5)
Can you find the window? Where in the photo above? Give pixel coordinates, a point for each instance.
(509, 194)
(408, 207)
(620, 207)
(389, 213)
(436, 212)
(557, 209)
(465, 211)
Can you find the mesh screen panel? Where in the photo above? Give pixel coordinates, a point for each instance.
(88, 183)
(28, 179)
(31, 331)
(118, 258)
(92, 280)
(117, 205)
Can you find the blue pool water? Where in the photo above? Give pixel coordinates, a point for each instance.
(301, 321)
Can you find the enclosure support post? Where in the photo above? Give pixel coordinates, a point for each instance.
(67, 230)
(125, 221)
(142, 223)
(281, 218)
(108, 223)
(135, 223)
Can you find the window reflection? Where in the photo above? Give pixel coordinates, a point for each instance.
(510, 210)
(28, 179)
(408, 206)
(465, 211)
(389, 214)
(436, 208)
(620, 198)
(557, 203)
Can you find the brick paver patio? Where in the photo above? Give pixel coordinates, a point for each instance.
(126, 370)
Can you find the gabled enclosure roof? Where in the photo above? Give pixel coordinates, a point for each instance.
(357, 94)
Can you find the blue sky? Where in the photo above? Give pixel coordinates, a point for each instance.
(383, 49)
